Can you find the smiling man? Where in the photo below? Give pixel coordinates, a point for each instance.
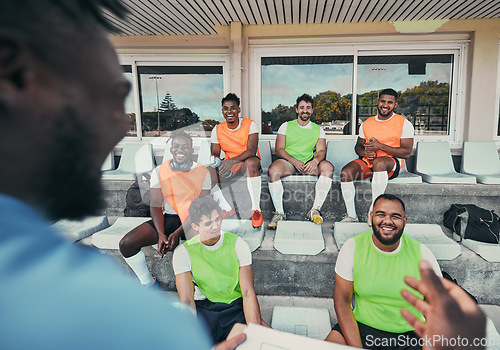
(174, 185)
(371, 267)
(301, 148)
(239, 139)
(384, 142)
(213, 272)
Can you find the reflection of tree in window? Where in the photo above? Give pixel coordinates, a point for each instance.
(327, 78)
(422, 81)
(191, 94)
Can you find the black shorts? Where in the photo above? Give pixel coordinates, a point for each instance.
(170, 224)
(373, 338)
(220, 317)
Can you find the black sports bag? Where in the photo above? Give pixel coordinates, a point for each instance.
(472, 222)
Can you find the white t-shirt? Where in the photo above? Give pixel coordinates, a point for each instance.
(345, 259)
(253, 130)
(155, 183)
(282, 129)
(408, 131)
(181, 261)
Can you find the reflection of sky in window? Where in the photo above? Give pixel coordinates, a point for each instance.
(284, 83)
(200, 93)
(395, 76)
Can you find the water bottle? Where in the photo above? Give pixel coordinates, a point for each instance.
(215, 163)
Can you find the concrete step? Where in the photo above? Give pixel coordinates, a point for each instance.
(426, 203)
(313, 276)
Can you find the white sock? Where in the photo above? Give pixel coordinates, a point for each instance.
(254, 187)
(138, 264)
(219, 198)
(322, 188)
(276, 190)
(379, 183)
(348, 193)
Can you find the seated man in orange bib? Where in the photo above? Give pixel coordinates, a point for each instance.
(238, 138)
(384, 142)
(174, 185)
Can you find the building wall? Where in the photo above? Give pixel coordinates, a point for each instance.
(480, 100)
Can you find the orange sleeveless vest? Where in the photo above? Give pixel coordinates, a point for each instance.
(233, 143)
(179, 188)
(387, 132)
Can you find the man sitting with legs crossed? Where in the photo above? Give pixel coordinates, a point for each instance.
(174, 185)
(384, 142)
(301, 147)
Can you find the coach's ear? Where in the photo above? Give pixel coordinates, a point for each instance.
(14, 65)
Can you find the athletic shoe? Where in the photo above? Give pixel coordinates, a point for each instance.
(274, 221)
(347, 218)
(225, 214)
(257, 219)
(315, 216)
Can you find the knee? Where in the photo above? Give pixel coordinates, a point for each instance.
(346, 175)
(124, 245)
(380, 164)
(326, 168)
(274, 173)
(252, 164)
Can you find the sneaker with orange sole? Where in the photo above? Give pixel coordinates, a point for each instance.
(257, 219)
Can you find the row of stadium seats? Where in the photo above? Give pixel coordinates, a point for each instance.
(433, 162)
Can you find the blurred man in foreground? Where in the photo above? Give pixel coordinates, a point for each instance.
(62, 97)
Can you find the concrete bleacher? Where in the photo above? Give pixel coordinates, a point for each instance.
(280, 277)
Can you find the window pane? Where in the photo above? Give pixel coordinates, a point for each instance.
(423, 83)
(173, 97)
(328, 79)
(129, 102)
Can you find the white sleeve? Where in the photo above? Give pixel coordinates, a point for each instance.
(155, 179)
(408, 131)
(213, 136)
(345, 260)
(243, 252)
(253, 128)
(282, 129)
(429, 257)
(361, 133)
(181, 261)
(322, 134)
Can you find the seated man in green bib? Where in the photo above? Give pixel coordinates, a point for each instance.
(371, 267)
(301, 147)
(213, 272)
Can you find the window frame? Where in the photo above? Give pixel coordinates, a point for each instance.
(458, 48)
(219, 59)
(496, 128)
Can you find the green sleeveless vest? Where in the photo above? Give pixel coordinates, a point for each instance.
(216, 272)
(300, 142)
(378, 281)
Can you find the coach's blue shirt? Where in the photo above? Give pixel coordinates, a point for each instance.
(58, 295)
